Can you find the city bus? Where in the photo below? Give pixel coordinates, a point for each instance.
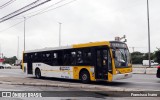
(94, 61)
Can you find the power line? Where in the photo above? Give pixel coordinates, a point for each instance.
(36, 11)
(51, 9)
(46, 7)
(11, 26)
(37, 14)
(6, 4)
(22, 10)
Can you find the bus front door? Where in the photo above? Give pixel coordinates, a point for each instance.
(101, 64)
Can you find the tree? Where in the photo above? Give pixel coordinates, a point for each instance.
(157, 56)
(145, 57)
(10, 60)
(137, 57)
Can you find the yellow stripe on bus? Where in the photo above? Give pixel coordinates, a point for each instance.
(91, 44)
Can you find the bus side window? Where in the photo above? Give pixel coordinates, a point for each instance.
(87, 57)
(40, 58)
(31, 57)
(55, 58)
(60, 58)
(79, 57)
(43, 57)
(35, 57)
(48, 58)
(48, 55)
(67, 58)
(73, 58)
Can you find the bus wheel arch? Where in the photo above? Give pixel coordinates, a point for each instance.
(84, 76)
(38, 73)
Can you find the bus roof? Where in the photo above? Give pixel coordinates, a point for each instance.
(48, 49)
(90, 44)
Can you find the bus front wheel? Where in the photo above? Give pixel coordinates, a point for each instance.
(85, 77)
(38, 73)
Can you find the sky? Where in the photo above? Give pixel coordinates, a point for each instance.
(82, 21)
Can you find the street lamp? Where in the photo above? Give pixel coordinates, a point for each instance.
(24, 31)
(59, 34)
(149, 50)
(18, 48)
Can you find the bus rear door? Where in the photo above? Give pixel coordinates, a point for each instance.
(29, 64)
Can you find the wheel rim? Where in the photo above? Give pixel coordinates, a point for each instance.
(84, 77)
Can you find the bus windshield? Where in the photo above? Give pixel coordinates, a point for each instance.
(121, 54)
(122, 57)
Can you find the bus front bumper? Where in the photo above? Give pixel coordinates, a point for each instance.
(121, 76)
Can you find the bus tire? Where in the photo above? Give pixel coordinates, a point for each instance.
(38, 73)
(84, 76)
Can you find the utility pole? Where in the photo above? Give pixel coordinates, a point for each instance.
(24, 31)
(149, 56)
(59, 34)
(0, 51)
(18, 48)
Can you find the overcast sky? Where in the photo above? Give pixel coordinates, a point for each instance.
(82, 21)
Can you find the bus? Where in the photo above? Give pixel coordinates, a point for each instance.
(94, 61)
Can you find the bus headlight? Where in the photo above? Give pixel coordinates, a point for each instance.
(117, 72)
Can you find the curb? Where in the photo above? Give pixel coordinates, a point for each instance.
(83, 86)
(148, 71)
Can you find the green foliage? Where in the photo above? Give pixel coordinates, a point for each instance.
(137, 57)
(157, 56)
(10, 60)
(145, 57)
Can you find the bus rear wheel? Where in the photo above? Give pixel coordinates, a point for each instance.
(85, 77)
(38, 73)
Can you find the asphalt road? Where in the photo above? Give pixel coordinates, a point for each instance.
(139, 81)
(39, 89)
(36, 89)
(143, 81)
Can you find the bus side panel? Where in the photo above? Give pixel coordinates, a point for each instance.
(77, 69)
(54, 71)
(110, 77)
